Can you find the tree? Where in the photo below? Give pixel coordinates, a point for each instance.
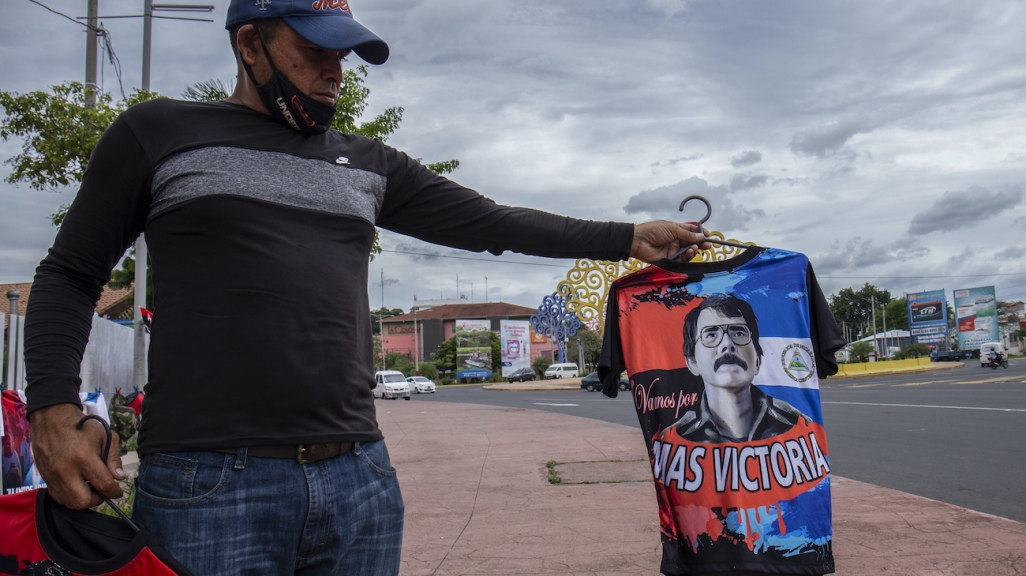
(59, 133)
(382, 313)
(124, 276)
(445, 356)
(897, 315)
(592, 347)
(429, 370)
(400, 362)
(861, 351)
(540, 365)
(855, 308)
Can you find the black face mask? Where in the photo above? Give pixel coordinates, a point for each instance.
(287, 104)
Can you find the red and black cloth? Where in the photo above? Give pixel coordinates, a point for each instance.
(40, 537)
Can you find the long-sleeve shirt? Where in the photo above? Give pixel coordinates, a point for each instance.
(259, 241)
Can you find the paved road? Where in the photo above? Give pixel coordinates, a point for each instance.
(957, 436)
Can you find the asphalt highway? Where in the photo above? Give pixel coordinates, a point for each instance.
(958, 436)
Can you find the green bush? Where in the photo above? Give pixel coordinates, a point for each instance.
(400, 362)
(540, 365)
(917, 350)
(429, 370)
(861, 351)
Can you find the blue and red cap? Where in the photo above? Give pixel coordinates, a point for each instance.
(326, 23)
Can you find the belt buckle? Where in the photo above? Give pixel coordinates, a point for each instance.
(300, 450)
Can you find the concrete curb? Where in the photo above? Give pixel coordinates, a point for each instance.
(937, 367)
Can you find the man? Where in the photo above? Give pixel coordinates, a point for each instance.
(260, 451)
(721, 344)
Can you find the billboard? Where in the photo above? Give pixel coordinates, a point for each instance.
(473, 349)
(516, 345)
(928, 317)
(474, 325)
(976, 316)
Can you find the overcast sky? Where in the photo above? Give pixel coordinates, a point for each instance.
(885, 140)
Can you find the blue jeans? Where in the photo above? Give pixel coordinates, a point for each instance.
(229, 514)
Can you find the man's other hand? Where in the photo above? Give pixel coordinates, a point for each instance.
(660, 239)
(68, 458)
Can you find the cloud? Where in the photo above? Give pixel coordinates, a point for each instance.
(1011, 253)
(742, 182)
(746, 158)
(669, 7)
(859, 253)
(675, 161)
(664, 202)
(963, 208)
(822, 140)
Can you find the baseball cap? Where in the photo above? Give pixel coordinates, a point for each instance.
(327, 23)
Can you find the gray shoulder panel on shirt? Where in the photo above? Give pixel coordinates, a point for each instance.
(269, 176)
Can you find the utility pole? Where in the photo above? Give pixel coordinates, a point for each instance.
(147, 41)
(471, 291)
(887, 350)
(381, 331)
(139, 376)
(139, 365)
(876, 341)
(416, 346)
(486, 290)
(90, 72)
(13, 353)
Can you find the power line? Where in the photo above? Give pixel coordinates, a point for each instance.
(922, 277)
(61, 14)
(100, 32)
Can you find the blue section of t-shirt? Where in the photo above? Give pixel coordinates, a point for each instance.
(805, 400)
(774, 284)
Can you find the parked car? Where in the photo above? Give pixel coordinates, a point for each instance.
(522, 375)
(391, 384)
(421, 385)
(592, 383)
(564, 370)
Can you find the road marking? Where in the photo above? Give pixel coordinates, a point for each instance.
(930, 406)
(987, 381)
(552, 404)
(866, 385)
(915, 383)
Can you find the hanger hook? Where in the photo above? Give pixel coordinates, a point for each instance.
(708, 207)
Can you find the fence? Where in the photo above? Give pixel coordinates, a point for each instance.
(106, 365)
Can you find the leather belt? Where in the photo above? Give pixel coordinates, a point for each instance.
(303, 453)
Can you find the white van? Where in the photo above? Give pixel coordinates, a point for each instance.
(566, 370)
(391, 384)
(985, 349)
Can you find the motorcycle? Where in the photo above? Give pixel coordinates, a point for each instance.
(999, 362)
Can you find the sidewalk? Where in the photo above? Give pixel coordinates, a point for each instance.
(478, 502)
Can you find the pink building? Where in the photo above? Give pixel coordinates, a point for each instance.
(437, 324)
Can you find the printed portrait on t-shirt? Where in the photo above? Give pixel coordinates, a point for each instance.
(724, 361)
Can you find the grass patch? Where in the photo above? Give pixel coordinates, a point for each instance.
(553, 476)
